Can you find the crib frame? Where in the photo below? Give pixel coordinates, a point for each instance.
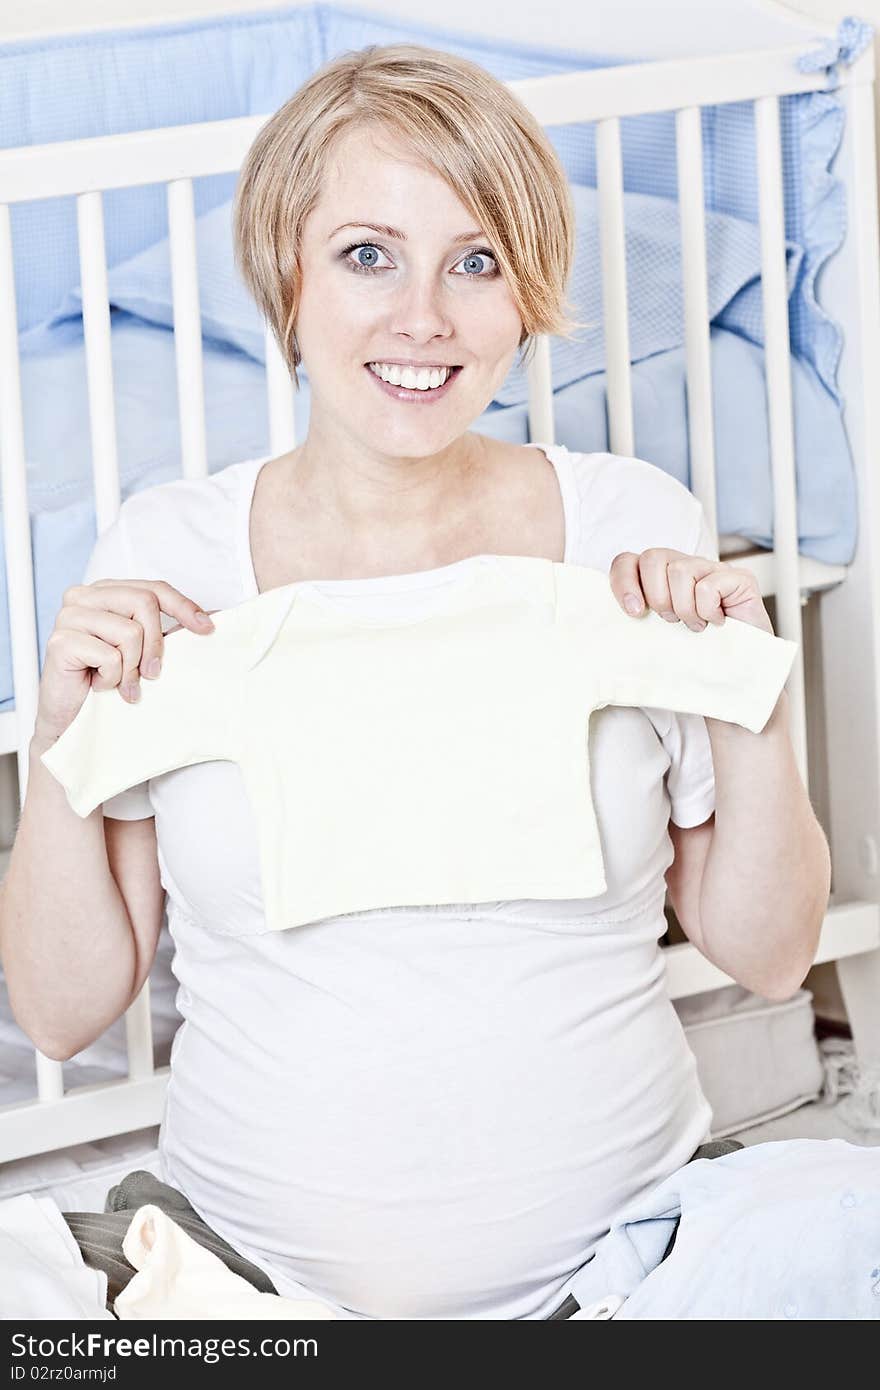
(849, 597)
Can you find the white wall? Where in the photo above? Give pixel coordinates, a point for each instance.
(59, 16)
(830, 11)
(663, 29)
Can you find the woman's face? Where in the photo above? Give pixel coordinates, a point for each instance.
(432, 293)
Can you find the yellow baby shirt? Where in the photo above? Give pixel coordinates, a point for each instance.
(437, 759)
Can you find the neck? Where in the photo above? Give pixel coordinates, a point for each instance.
(375, 494)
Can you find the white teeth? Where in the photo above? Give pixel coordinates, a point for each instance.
(426, 379)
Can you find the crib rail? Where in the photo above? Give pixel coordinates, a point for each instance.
(70, 167)
(87, 169)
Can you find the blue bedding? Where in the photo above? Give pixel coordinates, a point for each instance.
(59, 463)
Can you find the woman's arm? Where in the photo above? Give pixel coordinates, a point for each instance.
(767, 874)
(68, 947)
(750, 886)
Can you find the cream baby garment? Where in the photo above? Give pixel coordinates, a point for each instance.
(438, 759)
(178, 1278)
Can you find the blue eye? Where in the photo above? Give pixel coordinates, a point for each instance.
(473, 257)
(369, 248)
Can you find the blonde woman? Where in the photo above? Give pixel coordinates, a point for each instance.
(426, 1111)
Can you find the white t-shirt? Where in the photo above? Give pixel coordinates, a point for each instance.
(436, 1111)
(438, 758)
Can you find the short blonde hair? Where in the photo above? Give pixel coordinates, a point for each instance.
(463, 123)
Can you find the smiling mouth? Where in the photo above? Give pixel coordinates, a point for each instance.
(424, 393)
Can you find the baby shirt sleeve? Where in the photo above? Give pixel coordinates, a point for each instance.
(734, 672)
(187, 715)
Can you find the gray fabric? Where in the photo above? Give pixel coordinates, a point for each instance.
(716, 1148)
(99, 1234)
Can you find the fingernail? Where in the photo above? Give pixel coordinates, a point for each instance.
(203, 620)
(670, 617)
(132, 691)
(152, 667)
(697, 626)
(632, 603)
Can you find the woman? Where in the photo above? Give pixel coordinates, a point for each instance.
(419, 1112)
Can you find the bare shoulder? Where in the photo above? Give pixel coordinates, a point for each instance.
(528, 502)
(519, 465)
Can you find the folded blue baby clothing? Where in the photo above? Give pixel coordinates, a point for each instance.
(789, 1229)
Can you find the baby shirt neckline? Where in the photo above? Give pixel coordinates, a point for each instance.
(485, 583)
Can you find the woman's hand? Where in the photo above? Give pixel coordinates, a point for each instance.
(686, 588)
(107, 634)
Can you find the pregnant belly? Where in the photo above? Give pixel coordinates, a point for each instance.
(457, 1164)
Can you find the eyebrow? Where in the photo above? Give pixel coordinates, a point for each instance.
(400, 236)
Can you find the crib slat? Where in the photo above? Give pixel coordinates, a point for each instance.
(615, 318)
(16, 522)
(279, 388)
(701, 439)
(99, 358)
(540, 384)
(139, 1036)
(777, 356)
(187, 328)
(50, 1078)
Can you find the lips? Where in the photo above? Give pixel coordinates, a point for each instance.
(411, 394)
(416, 366)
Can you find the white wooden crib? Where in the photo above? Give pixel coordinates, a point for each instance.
(835, 703)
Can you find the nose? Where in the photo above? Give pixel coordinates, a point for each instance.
(419, 312)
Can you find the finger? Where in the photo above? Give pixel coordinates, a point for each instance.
(177, 626)
(625, 585)
(140, 605)
(737, 591)
(81, 651)
(707, 597)
(126, 634)
(145, 601)
(655, 585)
(681, 578)
(171, 601)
